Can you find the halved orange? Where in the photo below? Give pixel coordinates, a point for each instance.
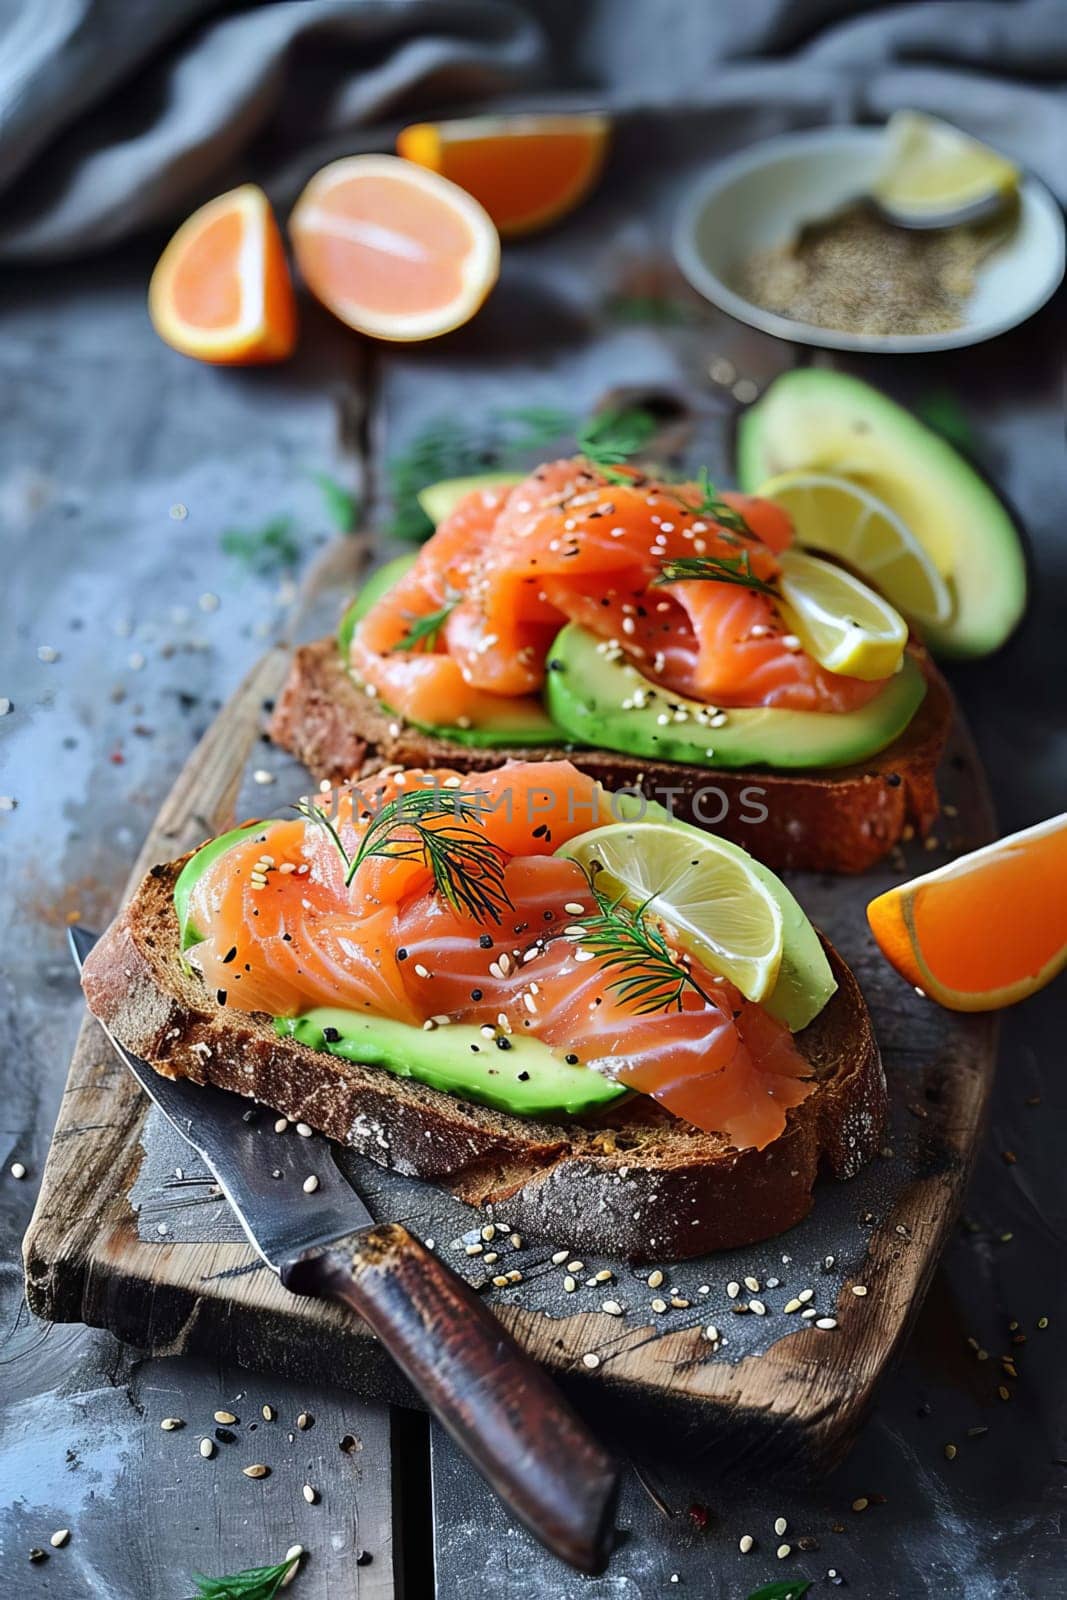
(526, 170)
(393, 250)
(986, 930)
(221, 289)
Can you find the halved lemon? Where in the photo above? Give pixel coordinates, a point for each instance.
(221, 290)
(527, 170)
(934, 170)
(840, 621)
(838, 516)
(986, 930)
(393, 250)
(713, 904)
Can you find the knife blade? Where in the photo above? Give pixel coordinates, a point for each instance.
(494, 1400)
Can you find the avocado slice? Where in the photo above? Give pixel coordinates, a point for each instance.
(586, 690)
(196, 865)
(519, 723)
(805, 982)
(828, 422)
(439, 500)
(527, 1079)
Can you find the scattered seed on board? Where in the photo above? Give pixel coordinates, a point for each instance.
(780, 1525)
(310, 1184)
(170, 1423)
(293, 1554)
(859, 1289)
(659, 1305)
(784, 1550)
(559, 1257)
(591, 1359)
(281, 1124)
(711, 1333)
(207, 1448)
(59, 1538)
(303, 1130)
(225, 1417)
(745, 1543)
(17, 1169)
(304, 1420)
(861, 1503)
(570, 1284)
(613, 1308)
(752, 1285)
(311, 1495)
(654, 1279)
(256, 1470)
(950, 1452)
(269, 1413)
(826, 1322)
(733, 1290)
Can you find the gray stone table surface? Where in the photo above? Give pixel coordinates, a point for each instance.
(125, 624)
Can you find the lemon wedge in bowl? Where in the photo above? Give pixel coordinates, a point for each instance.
(936, 175)
(713, 904)
(840, 621)
(843, 519)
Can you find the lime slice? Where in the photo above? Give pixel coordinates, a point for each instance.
(840, 621)
(712, 904)
(847, 521)
(933, 170)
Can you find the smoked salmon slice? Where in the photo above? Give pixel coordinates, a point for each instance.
(508, 568)
(292, 917)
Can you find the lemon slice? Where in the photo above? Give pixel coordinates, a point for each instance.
(840, 621)
(713, 904)
(847, 521)
(933, 170)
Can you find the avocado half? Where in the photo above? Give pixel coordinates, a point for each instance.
(588, 693)
(825, 421)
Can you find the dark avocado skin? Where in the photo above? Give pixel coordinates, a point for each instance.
(586, 690)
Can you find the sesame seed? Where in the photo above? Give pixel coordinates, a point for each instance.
(225, 1417)
(859, 1290)
(745, 1543)
(515, 1241)
(590, 1359)
(207, 1448)
(659, 1305)
(826, 1322)
(17, 1169)
(500, 1282)
(861, 1504)
(262, 776)
(304, 1420)
(475, 1249)
(805, 1295)
(310, 1184)
(269, 1413)
(170, 1423)
(711, 1333)
(46, 653)
(281, 1124)
(490, 1256)
(758, 1307)
(310, 1495)
(784, 1550)
(752, 1284)
(950, 1452)
(654, 1279)
(780, 1525)
(612, 1307)
(733, 1290)
(570, 1284)
(573, 908)
(292, 1555)
(304, 1130)
(679, 1302)
(1042, 1322)
(256, 1470)
(59, 1538)
(575, 1266)
(421, 971)
(559, 1257)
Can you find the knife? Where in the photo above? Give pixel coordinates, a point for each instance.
(498, 1405)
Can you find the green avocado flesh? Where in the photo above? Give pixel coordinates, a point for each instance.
(518, 724)
(439, 500)
(197, 865)
(805, 982)
(827, 422)
(527, 1079)
(586, 691)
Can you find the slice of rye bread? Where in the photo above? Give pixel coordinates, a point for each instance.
(842, 820)
(633, 1180)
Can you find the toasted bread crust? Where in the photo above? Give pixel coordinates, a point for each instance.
(631, 1181)
(839, 821)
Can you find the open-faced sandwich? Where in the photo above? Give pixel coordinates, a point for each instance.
(522, 987)
(660, 634)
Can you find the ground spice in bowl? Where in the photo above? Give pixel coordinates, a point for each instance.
(857, 273)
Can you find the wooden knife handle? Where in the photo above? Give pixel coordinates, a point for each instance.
(498, 1404)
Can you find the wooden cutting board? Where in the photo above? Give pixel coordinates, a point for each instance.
(130, 1234)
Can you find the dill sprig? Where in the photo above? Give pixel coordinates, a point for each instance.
(423, 631)
(651, 978)
(613, 437)
(467, 866)
(718, 569)
(712, 504)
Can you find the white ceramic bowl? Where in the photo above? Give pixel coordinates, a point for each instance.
(763, 195)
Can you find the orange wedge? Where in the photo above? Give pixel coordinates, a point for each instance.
(221, 290)
(393, 250)
(988, 929)
(526, 170)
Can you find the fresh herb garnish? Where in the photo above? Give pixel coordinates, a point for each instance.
(256, 1583)
(790, 1589)
(624, 939)
(342, 507)
(467, 866)
(655, 308)
(264, 550)
(424, 630)
(719, 569)
(613, 437)
(712, 504)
